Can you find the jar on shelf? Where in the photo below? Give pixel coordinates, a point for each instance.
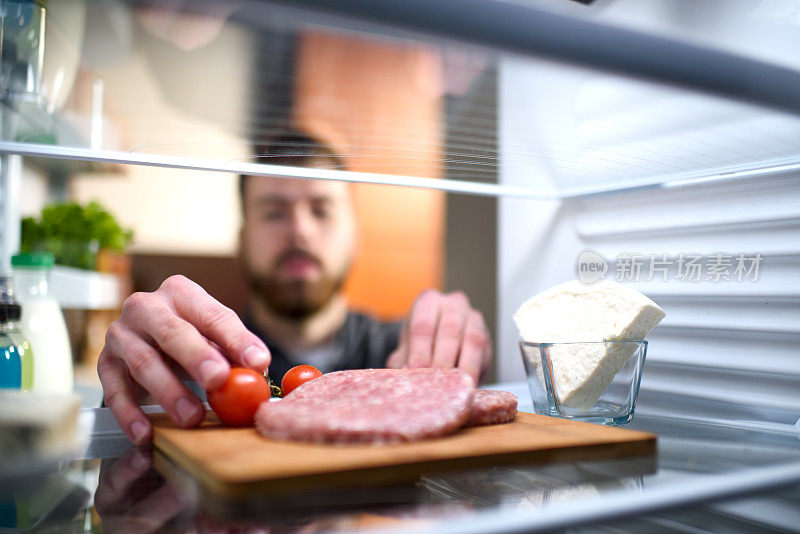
(42, 323)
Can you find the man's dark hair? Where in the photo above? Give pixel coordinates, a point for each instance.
(297, 149)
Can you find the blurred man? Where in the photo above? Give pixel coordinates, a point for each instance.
(297, 243)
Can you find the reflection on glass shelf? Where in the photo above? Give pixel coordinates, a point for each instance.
(204, 89)
(582, 130)
(539, 486)
(697, 467)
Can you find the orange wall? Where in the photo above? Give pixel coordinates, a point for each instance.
(379, 105)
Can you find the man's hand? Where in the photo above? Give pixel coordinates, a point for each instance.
(177, 328)
(131, 497)
(443, 330)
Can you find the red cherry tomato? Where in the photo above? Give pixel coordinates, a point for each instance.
(297, 376)
(237, 399)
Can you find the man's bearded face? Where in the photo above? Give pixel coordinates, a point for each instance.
(297, 242)
(295, 298)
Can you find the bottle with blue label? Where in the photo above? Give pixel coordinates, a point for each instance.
(23, 347)
(10, 359)
(10, 317)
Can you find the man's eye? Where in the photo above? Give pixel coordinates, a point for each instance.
(273, 215)
(321, 213)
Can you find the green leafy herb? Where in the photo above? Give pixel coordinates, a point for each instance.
(74, 233)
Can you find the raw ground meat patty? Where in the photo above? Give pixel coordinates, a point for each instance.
(371, 406)
(491, 407)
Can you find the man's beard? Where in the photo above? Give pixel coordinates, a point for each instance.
(294, 299)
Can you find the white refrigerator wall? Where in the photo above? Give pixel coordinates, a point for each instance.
(743, 326)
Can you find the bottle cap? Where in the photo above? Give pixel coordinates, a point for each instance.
(10, 312)
(36, 260)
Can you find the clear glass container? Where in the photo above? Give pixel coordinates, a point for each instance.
(608, 397)
(23, 28)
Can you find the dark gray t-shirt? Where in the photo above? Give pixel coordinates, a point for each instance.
(361, 343)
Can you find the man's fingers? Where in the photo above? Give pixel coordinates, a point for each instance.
(449, 333)
(152, 318)
(148, 368)
(397, 359)
(152, 512)
(488, 355)
(119, 397)
(116, 480)
(421, 329)
(217, 323)
(473, 347)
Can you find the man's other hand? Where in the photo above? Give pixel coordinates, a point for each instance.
(176, 330)
(444, 330)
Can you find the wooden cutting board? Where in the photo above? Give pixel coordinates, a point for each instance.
(237, 461)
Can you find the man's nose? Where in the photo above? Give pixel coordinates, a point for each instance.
(302, 225)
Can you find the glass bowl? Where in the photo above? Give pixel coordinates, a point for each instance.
(551, 371)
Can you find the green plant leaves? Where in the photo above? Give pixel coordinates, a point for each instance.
(74, 233)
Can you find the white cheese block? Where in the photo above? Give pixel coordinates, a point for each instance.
(576, 312)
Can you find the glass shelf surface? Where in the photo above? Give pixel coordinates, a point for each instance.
(704, 473)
